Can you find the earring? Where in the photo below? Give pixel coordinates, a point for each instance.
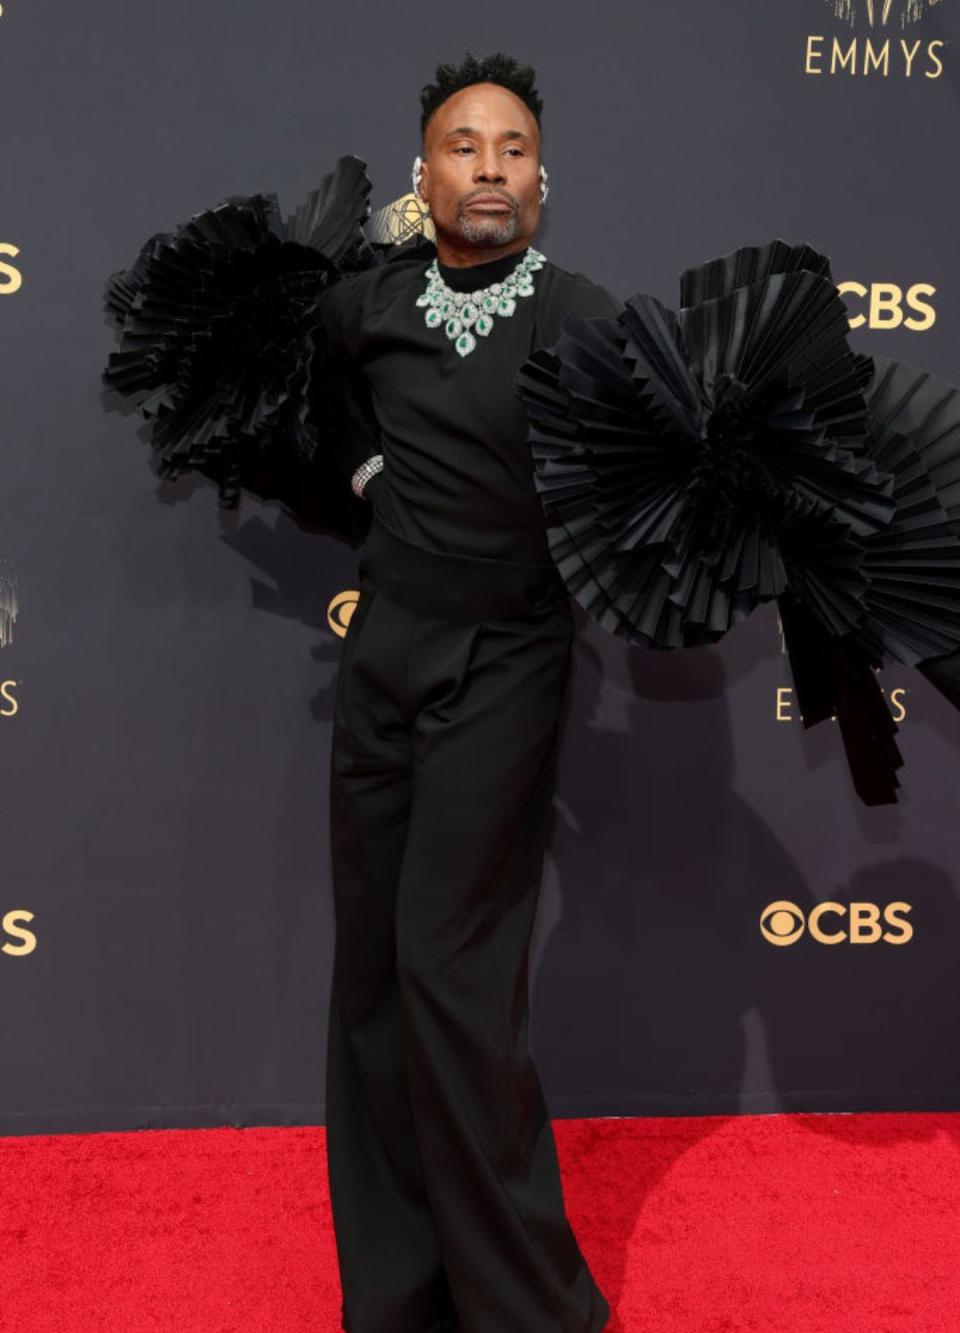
(415, 176)
(544, 187)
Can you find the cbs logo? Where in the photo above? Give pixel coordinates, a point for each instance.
(11, 279)
(885, 305)
(783, 923)
(12, 926)
(340, 611)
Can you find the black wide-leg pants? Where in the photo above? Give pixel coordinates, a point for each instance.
(446, 1192)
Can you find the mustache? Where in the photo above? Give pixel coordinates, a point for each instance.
(500, 194)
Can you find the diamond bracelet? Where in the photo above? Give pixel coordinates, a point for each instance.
(364, 472)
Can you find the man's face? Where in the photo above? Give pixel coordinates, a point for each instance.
(482, 141)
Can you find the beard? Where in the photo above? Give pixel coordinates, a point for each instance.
(488, 229)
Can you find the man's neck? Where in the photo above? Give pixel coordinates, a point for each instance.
(460, 255)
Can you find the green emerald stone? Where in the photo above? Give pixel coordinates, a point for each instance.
(465, 343)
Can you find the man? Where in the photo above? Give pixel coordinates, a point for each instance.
(446, 1191)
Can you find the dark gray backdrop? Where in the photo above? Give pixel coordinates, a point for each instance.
(165, 769)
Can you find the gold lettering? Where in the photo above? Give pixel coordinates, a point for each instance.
(784, 700)
(878, 57)
(910, 55)
(6, 694)
(885, 300)
(858, 289)
(891, 914)
(864, 923)
(14, 278)
(922, 307)
(813, 922)
(874, 59)
(932, 53)
(897, 704)
(839, 60)
(811, 53)
(11, 926)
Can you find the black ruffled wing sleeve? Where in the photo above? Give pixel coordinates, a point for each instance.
(694, 465)
(221, 344)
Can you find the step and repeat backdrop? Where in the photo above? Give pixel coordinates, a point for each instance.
(723, 927)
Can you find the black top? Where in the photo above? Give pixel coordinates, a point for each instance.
(457, 469)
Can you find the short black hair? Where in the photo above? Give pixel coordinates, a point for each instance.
(497, 68)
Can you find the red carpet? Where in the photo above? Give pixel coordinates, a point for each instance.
(710, 1224)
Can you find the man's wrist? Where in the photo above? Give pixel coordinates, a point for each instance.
(369, 468)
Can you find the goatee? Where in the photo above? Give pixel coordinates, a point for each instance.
(489, 230)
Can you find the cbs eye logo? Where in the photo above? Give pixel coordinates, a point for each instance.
(340, 611)
(783, 923)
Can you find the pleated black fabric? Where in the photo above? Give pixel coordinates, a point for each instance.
(695, 465)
